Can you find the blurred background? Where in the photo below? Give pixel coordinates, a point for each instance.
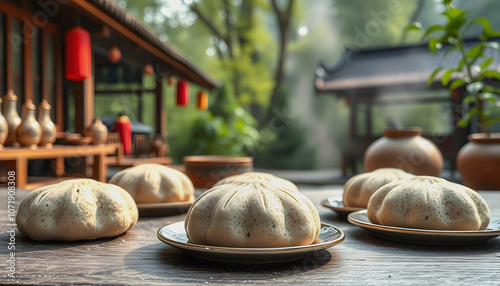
(266, 55)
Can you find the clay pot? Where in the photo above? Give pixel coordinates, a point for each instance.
(205, 171)
(29, 132)
(478, 162)
(404, 149)
(49, 131)
(4, 128)
(97, 131)
(12, 117)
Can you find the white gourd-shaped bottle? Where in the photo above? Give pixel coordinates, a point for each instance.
(4, 128)
(12, 117)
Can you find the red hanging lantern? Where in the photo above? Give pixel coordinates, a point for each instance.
(182, 93)
(78, 54)
(148, 69)
(170, 80)
(114, 54)
(202, 100)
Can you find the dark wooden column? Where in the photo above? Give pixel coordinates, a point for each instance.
(161, 115)
(84, 103)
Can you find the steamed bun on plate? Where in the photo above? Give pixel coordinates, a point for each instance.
(252, 213)
(428, 203)
(155, 183)
(359, 189)
(257, 176)
(76, 210)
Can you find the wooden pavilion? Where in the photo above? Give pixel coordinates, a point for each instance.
(32, 55)
(367, 78)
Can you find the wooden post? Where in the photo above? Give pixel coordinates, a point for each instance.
(161, 115)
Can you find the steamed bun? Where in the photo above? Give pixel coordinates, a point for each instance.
(428, 203)
(257, 176)
(155, 183)
(359, 189)
(76, 210)
(252, 213)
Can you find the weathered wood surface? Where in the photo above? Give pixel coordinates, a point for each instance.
(139, 258)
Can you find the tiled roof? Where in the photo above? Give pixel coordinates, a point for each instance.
(395, 66)
(111, 8)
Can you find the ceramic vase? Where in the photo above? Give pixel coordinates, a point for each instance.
(12, 118)
(478, 162)
(97, 131)
(29, 132)
(205, 171)
(405, 149)
(49, 131)
(4, 128)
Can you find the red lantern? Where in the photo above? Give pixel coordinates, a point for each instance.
(114, 54)
(148, 69)
(170, 81)
(202, 100)
(182, 93)
(78, 54)
(124, 127)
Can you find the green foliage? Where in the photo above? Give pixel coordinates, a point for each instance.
(224, 129)
(473, 64)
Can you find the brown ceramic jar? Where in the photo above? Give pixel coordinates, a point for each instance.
(205, 171)
(404, 149)
(478, 162)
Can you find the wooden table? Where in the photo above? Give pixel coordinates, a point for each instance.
(17, 158)
(139, 258)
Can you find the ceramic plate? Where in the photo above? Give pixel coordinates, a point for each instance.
(175, 235)
(164, 208)
(336, 204)
(426, 236)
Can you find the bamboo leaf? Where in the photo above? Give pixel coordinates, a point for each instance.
(491, 73)
(464, 121)
(474, 53)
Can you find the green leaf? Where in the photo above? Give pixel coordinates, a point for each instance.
(434, 44)
(486, 63)
(474, 87)
(468, 99)
(445, 79)
(488, 96)
(464, 121)
(493, 45)
(433, 75)
(474, 53)
(415, 26)
(432, 29)
(482, 21)
(491, 73)
(457, 83)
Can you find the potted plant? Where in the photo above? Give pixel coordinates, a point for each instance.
(479, 160)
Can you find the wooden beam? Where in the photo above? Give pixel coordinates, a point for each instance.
(161, 115)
